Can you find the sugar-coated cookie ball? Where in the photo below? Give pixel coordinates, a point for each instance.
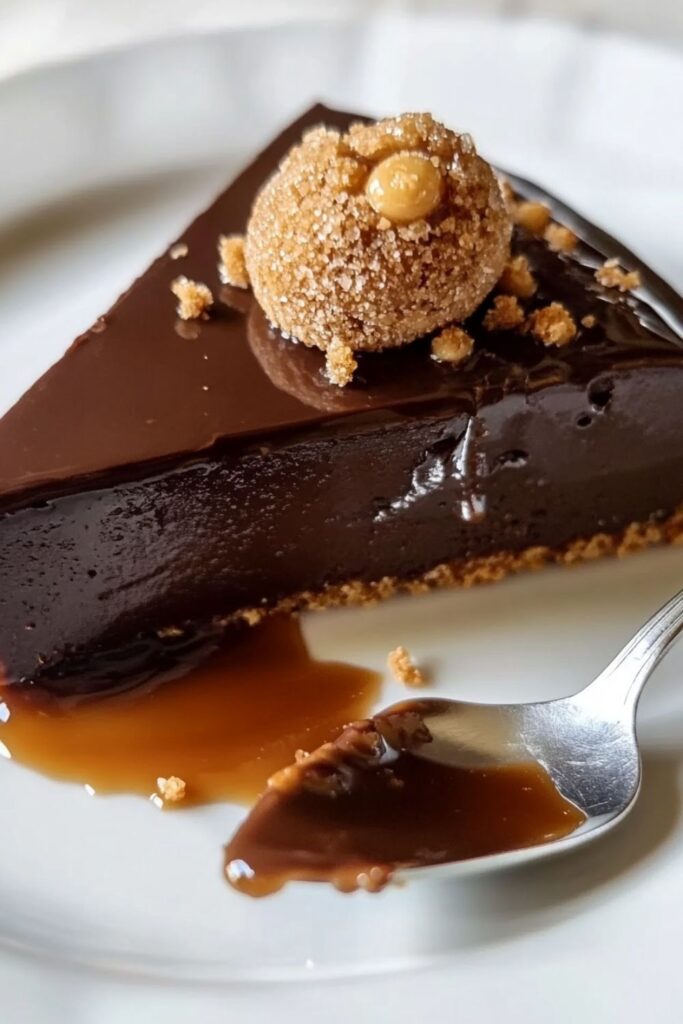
(372, 238)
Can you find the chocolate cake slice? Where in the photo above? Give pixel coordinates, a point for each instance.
(166, 477)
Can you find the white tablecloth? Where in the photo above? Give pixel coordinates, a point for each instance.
(34, 31)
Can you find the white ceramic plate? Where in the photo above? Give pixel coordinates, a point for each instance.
(111, 912)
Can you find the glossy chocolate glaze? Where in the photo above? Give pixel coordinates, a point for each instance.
(144, 388)
(384, 796)
(166, 473)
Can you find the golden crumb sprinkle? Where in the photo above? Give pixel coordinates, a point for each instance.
(504, 315)
(611, 275)
(178, 251)
(252, 616)
(452, 345)
(517, 279)
(340, 363)
(232, 267)
(170, 632)
(403, 668)
(171, 790)
(553, 325)
(534, 217)
(194, 298)
(560, 238)
(588, 321)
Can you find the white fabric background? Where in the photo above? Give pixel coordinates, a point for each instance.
(33, 31)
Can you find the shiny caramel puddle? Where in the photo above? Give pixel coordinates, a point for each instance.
(369, 800)
(223, 727)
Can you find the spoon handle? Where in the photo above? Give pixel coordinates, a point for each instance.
(623, 680)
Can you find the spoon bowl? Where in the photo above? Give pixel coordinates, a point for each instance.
(587, 743)
(450, 788)
(593, 763)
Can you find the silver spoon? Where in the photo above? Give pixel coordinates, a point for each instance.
(587, 742)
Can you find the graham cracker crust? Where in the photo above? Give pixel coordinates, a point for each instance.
(489, 569)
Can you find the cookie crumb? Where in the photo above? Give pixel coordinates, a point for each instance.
(504, 315)
(319, 772)
(452, 345)
(560, 238)
(507, 192)
(517, 279)
(252, 616)
(588, 321)
(552, 324)
(171, 790)
(611, 275)
(403, 668)
(535, 217)
(340, 363)
(170, 632)
(194, 298)
(232, 267)
(178, 251)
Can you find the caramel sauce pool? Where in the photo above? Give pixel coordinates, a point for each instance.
(223, 727)
(226, 725)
